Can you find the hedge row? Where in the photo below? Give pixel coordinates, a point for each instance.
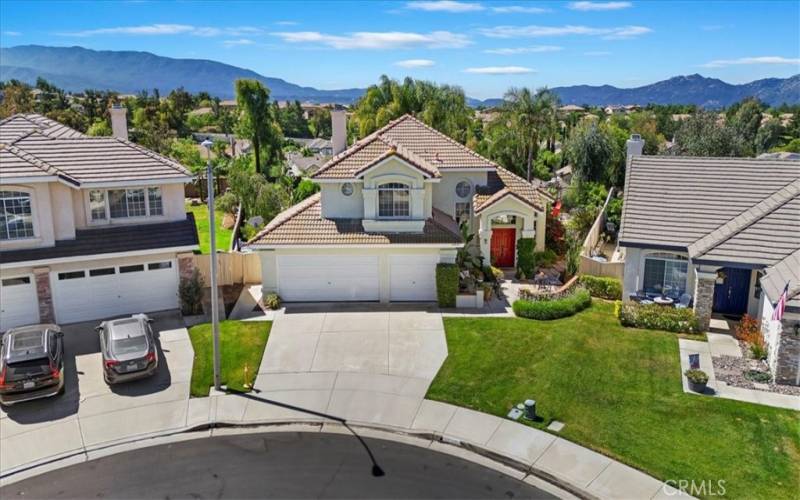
(446, 284)
(603, 287)
(526, 261)
(562, 307)
(657, 317)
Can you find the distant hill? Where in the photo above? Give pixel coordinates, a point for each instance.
(76, 69)
(692, 89)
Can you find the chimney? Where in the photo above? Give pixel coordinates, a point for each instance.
(119, 121)
(339, 130)
(634, 147)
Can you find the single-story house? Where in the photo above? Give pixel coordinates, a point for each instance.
(722, 232)
(388, 213)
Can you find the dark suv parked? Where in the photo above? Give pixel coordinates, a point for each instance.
(31, 363)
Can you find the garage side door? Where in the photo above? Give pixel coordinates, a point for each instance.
(18, 302)
(328, 278)
(413, 277)
(105, 291)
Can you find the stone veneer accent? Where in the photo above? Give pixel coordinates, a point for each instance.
(787, 367)
(704, 298)
(45, 295)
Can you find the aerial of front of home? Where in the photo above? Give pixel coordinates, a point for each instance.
(403, 249)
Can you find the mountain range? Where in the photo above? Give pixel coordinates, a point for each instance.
(76, 69)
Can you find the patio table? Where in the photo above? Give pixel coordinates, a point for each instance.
(663, 301)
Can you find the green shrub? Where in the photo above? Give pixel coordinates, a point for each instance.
(603, 287)
(446, 284)
(272, 301)
(492, 273)
(526, 263)
(227, 203)
(553, 308)
(656, 317)
(758, 350)
(696, 376)
(191, 293)
(545, 258)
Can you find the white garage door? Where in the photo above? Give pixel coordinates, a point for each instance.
(413, 277)
(328, 278)
(18, 302)
(105, 291)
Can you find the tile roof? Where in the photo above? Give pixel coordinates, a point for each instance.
(501, 183)
(127, 238)
(413, 141)
(303, 224)
(674, 201)
(31, 142)
(776, 278)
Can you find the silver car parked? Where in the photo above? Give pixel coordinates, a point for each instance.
(128, 348)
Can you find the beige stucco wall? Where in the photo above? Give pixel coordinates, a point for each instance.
(63, 216)
(444, 193)
(526, 217)
(269, 258)
(43, 228)
(335, 205)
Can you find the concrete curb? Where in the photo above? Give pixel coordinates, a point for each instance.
(422, 439)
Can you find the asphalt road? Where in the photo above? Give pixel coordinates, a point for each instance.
(274, 465)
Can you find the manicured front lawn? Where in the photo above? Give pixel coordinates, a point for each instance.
(619, 392)
(201, 221)
(241, 347)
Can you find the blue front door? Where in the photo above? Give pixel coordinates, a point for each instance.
(730, 296)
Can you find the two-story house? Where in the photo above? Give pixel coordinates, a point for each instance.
(90, 227)
(388, 213)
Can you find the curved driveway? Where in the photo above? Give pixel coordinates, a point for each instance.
(277, 465)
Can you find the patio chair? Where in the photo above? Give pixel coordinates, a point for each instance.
(686, 299)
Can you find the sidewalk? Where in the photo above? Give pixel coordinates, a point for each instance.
(382, 402)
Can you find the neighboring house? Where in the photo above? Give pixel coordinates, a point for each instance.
(387, 215)
(90, 227)
(725, 231)
(318, 145)
(303, 166)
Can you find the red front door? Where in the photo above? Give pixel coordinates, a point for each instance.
(503, 246)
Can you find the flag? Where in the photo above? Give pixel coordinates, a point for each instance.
(777, 313)
(556, 209)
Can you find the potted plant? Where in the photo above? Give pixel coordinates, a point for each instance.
(697, 380)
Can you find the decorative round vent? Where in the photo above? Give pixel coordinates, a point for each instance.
(463, 189)
(347, 188)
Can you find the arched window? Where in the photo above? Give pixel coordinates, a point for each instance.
(16, 215)
(665, 273)
(393, 200)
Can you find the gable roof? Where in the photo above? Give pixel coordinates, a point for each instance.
(303, 225)
(776, 278)
(413, 141)
(671, 202)
(502, 183)
(35, 146)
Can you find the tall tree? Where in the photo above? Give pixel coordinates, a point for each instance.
(532, 118)
(703, 134)
(257, 121)
(590, 151)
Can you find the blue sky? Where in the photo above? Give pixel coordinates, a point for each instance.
(485, 46)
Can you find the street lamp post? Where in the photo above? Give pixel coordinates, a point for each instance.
(214, 291)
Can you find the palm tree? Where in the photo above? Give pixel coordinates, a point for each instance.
(258, 120)
(532, 118)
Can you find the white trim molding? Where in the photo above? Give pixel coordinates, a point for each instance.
(79, 258)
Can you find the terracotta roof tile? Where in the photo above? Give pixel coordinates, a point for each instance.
(502, 183)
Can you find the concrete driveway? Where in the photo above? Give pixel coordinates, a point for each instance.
(91, 412)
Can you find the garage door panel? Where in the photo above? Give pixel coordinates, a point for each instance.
(413, 277)
(19, 304)
(328, 278)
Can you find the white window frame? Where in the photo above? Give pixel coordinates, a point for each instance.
(34, 220)
(123, 220)
(405, 187)
(666, 257)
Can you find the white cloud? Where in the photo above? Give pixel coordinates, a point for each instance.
(773, 60)
(597, 53)
(445, 6)
(378, 40)
(415, 63)
(286, 23)
(523, 50)
(519, 9)
(238, 43)
(595, 6)
(534, 31)
(499, 70)
(165, 29)
(12, 33)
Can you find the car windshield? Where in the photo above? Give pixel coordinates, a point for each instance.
(23, 370)
(130, 345)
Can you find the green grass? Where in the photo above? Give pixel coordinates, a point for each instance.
(241, 346)
(201, 220)
(619, 392)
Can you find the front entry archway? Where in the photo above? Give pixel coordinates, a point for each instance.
(503, 248)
